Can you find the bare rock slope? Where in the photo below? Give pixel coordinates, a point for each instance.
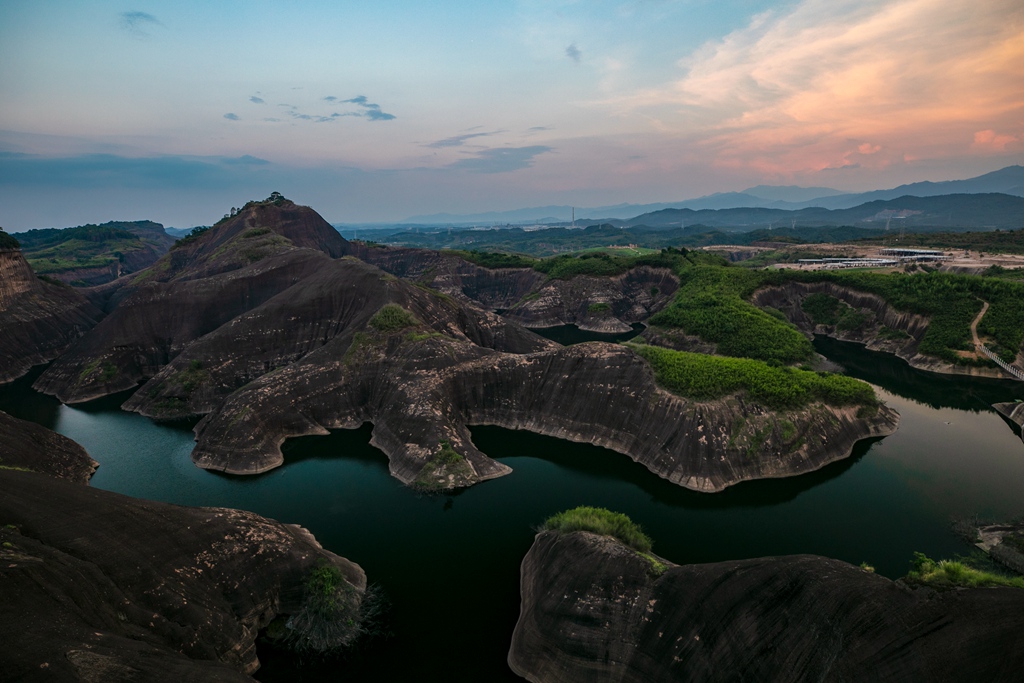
(97, 586)
(38, 320)
(594, 610)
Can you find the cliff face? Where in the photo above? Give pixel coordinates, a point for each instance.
(421, 394)
(597, 304)
(789, 297)
(26, 445)
(102, 587)
(1014, 412)
(38, 320)
(594, 610)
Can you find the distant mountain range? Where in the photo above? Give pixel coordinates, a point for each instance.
(1009, 181)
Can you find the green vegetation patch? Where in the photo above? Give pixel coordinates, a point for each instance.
(191, 377)
(956, 574)
(391, 318)
(330, 615)
(600, 521)
(447, 467)
(823, 309)
(7, 241)
(703, 377)
(490, 259)
(711, 304)
(600, 308)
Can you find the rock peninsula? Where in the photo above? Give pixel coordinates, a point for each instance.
(595, 610)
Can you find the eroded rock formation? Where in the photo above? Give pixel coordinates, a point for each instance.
(1014, 412)
(594, 610)
(28, 446)
(421, 393)
(98, 586)
(788, 299)
(38, 320)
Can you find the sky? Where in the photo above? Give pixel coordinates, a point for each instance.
(375, 111)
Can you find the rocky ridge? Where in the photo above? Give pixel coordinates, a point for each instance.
(102, 587)
(40, 320)
(594, 610)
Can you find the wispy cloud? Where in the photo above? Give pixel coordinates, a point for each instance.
(500, 159)
(138, 23)
(573, 53)
(257, 100)
(837, 83)
(459, 140)
(373, 111)
(232, 117)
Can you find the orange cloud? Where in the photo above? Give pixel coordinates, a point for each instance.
(798, 92)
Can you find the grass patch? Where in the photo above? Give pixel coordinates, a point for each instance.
(599, 308)
(600, 521)
(703, 377)
(446, 469)
(956, 574)
(489, 259)
(889, 334)
(391, 318)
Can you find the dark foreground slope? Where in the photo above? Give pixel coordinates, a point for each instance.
(28, 446)
(38, 320)
(96, 586)
(594, 610)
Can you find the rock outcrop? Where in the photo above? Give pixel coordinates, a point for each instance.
(597, 304)
(421, 392)
(594, 610)
(194, 289)
(38, 320)
(28, 446)
(1014, 412)
(789, 297)
(102, 587)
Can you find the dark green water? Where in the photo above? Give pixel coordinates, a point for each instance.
(450, 564)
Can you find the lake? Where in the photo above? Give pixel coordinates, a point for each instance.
(449, 564)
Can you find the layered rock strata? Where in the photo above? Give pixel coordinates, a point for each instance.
(1014, 412)
(594, 610)
(789, 297)
(421, 394)
(38, 320)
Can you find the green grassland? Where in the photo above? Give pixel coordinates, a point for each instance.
(703, 377)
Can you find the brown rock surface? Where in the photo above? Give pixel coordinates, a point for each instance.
(26, 445)
(97, 586)
(594, 610)
(38, 320)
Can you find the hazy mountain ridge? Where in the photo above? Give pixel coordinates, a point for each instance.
(1008, 180)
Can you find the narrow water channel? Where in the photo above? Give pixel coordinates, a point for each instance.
(449, 565)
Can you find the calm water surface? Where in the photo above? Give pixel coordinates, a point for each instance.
(449, 564)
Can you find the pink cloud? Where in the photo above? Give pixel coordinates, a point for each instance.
(788, 93)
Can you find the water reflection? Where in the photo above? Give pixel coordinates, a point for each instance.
(933, 389)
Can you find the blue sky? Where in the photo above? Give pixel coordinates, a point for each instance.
(376, 111)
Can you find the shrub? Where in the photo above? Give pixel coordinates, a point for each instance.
(330, 615)
(599, 308)
(600, 521)
(391, 318)
(952, 573)
(703, 377)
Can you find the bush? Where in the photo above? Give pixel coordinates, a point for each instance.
(703, 377)
(7, 241)
(600, 521)
(952, 573)
(496, 260)
(330, 615)
(391, 318)
(710, 304)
